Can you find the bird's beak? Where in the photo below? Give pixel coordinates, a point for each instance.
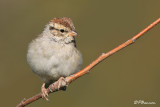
(73, 33)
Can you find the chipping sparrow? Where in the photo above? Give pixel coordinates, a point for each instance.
(53, 54)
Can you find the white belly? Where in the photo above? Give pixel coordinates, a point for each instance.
(51, 60)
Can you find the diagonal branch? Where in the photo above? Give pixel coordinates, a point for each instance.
(53, 87)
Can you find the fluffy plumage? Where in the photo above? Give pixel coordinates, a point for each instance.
(53, 53)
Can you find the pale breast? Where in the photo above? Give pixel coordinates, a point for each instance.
(50, 60)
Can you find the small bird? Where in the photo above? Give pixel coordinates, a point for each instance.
(53, 54)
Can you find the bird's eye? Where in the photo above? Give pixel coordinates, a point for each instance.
(51, 28)
(62, 30)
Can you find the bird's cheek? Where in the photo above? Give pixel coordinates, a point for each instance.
(54, 33)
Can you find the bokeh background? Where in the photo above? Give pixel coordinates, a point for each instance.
(131, 74)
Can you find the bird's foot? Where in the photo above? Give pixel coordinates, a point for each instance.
(62, 83)
(44, 92)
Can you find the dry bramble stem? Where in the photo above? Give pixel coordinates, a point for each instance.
(53, 87)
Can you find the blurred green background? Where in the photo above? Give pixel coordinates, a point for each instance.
(131, 74)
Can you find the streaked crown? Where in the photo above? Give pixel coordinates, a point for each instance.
(67, 22)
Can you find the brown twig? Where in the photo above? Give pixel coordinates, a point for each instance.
(53, 87)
